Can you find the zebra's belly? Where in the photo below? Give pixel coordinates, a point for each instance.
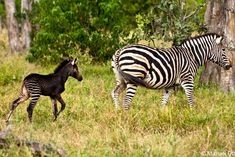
(158, 81)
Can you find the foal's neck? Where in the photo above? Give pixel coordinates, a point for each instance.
(63, 74)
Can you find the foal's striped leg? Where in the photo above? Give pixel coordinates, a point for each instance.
(34, 99)
(130, 93)
(35, 91)
(15, 103)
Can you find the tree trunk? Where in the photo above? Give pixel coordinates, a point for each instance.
(220, 18)
(26, 7)
(0, 21)
(0, 24)
(12, 26)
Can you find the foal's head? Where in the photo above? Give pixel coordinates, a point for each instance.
(69, 67)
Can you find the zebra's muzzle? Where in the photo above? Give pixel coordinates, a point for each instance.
(227, 67)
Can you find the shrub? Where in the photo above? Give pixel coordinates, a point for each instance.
(71, 27)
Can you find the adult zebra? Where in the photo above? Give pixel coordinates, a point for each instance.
(156, 68)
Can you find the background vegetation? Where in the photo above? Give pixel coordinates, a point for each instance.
(98, 28)
(89, 126)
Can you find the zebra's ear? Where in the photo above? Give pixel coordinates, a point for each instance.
(218, 40)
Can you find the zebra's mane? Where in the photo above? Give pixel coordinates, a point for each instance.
(61, 65)
(199, 36)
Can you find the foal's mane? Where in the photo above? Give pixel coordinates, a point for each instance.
(61, 65)
(199, 36)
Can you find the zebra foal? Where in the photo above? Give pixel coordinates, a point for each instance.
(159, 68)
(51, 85)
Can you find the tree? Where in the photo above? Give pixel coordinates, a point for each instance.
(12, 25)
(220, 18)
(26, 7)
(18, 23)
(172, 20)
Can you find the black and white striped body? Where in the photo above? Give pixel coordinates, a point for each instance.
(156, 68)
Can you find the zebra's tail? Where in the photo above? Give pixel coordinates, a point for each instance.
(133, 79)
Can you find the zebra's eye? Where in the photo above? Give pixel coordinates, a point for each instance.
(223, 49)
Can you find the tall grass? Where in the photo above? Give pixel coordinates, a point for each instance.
(89, 125)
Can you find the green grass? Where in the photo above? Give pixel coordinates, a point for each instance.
(89, 125)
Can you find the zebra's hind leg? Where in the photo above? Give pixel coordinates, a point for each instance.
(33, 102)
(116, 92)
(54, 107)
(165, 97)
(23, 97)
(130, 93)
(188, 88)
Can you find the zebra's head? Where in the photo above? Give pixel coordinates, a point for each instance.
(218, 54)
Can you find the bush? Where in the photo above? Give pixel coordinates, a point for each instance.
(72, 28)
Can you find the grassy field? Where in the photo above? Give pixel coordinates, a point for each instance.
(89, 125)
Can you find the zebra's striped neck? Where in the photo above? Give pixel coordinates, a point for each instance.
(199, 47)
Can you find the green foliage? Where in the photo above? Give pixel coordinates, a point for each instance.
(171, 20)
(2, 10)
(99, 28)
(11, 72)
(71, 28)
(13, 68)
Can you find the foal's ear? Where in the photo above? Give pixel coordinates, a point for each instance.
(73, 61)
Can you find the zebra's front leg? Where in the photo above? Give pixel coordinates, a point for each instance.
(165, 97)
(130, 93)
(31, 106)
(54, 107)
(116, 92)
(188, 88)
